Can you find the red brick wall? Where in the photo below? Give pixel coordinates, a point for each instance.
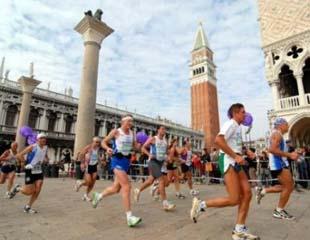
(204, 111)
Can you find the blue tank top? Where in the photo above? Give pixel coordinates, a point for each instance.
(278, 162)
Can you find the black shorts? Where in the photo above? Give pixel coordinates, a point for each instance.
(91, 169)
(8, 169)
(275, 174)
(32, 178)
(185, 168)
(171, 167)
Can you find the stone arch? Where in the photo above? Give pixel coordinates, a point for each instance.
(288, 84)
(299, 130)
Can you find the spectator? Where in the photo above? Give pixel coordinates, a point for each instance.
(207, 165)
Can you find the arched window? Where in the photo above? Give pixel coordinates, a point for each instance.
(288, 85)
(33, 117)
(10, 115)
(69, 122)
(97, 127)
(203, 69)
(51, 121)
(306, 76)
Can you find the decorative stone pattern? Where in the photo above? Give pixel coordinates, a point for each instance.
(285, 28)
(280, 19)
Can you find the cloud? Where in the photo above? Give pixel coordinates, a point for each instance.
(144, 64)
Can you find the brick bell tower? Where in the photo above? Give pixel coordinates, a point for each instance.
(204, 105)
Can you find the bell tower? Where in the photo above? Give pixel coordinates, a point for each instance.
(204, 104)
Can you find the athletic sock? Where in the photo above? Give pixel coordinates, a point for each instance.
(279, 209)
(128, 214)
(239, 227)
(165, 202)
(263, 192)
(203, 205)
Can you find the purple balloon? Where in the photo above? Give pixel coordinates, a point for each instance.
(32, 139)
(248, 120)
(26, 131)
(141, 137)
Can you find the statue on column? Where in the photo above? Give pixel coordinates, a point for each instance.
(6, 75)
(97, 15)
(31, 70)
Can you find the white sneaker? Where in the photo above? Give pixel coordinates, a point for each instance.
(154, 188)
(196, 209)
(86, 198)
(133, 221)
(169, 206)
(136, 195)
(77, 185)
(244, 235)
(7, 195)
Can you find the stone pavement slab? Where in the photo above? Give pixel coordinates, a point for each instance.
(63, 215)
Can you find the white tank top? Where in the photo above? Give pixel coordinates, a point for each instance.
(123, 142)
(93, 156)
(159, 149)
(11, 159)
(188, 160)
(37, 160)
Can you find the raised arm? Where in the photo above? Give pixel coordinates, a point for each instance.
(222, 144)
(5, 156)
(107, 139)
(146, 145)
(275, 147)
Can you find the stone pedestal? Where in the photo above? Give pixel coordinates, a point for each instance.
(93, 32)
(28, 85)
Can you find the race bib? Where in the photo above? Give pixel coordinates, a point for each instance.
(36, 169)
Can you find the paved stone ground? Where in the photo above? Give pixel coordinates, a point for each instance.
(64, 216)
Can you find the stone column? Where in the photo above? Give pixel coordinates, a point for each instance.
(2, 112)
(275, 94)
(27, 85)
(61, 123)
(301, 90)
(43, 120)
(93, 32)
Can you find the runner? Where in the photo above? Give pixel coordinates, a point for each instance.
(8, 169)
(157, 157)
(186, 167)
(238, 188)
(279, 167)
(172, 167)
(123, 144)
(36, 155)
(92, 155)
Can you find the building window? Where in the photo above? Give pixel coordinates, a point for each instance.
(10, 115)
(51, 122)
(33, 117)
(69, 121)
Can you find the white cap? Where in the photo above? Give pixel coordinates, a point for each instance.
(41, 135)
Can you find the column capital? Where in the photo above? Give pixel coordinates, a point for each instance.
(93, 30)
(275, 82)
(28, 84)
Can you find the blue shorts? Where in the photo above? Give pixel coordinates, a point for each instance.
(122, 163)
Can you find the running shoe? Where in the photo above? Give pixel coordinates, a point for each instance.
(196, 209)
(180, 196)
(136, 195)
(96, 199)
(15, 190)
(244, 235)
(133, 221)
(7, 195)
(282, 215)
(86, 198)
(28, 209)
(169, 206)
(259, 194)
(77, 185)
(154, 188)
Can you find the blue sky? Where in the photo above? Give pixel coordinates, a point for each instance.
(144, 63)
